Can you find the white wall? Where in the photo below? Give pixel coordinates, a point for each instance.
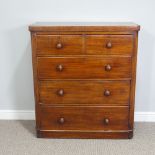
(16, 85)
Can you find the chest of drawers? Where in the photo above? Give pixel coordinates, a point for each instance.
(84, 79)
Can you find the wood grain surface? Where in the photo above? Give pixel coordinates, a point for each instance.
(75, 92)
(84, 67)
(84, 79)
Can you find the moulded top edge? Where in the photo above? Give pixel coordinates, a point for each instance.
(84, 26)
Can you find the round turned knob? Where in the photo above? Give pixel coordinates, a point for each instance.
(61, 120)
(109, 45)
(106, 121)
(108, 67)
(59, 67)
(59, 45)
(106, 93)
(60, 92)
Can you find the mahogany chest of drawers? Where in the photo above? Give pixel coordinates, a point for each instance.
(84, 79)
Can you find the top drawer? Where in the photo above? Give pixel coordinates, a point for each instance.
(109, 44)
(59, 44)
(84, 44)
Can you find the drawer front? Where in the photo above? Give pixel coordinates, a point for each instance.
(59, 44)
(109, 44)
(84, 118)
(84, 92)
(84, 67)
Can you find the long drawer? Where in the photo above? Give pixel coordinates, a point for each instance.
(84, 92)
(84, 67)
(84, 118)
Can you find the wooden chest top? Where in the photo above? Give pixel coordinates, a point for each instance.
(84, 26)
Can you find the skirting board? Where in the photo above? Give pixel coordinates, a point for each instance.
(29, 115)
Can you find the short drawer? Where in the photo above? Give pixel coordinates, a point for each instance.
(82, 92)
(84, 67)
(84, 118)
(109, 44)
(59, 44)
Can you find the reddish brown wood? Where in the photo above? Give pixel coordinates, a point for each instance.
(84, 79)
(84, 67)
(36, 92)
(109, 44)
(73, 44)
(59, 44)
(133, 82)
(84, 118)
(127, 134)
(84, 27)
(84, 92)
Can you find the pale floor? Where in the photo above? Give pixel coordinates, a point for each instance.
(18, 138)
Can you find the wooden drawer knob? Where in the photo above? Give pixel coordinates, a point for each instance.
(59, 68)
(61, 120)
(107, 93)
(60, 92)
(108, 67)
(106, 121)
(59, 45)
(109, 45)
